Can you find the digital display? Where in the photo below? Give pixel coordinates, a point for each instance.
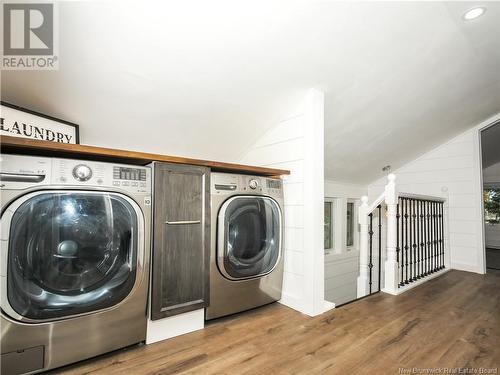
(133, 174)
(273, 184)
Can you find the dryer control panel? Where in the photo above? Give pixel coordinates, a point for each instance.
(231, 184)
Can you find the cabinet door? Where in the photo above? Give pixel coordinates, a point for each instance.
(181, 239)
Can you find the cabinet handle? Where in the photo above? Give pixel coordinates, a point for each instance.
(183, 222)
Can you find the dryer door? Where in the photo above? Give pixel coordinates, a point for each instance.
(69, 253)
(249, 237)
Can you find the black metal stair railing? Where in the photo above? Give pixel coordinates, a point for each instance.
(420, 238)
(371, 249)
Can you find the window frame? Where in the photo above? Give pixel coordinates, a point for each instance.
(333, 220)
(352, 221)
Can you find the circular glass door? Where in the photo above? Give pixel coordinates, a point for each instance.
(70, 253)
(249, 236)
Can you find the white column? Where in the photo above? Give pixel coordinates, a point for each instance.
(391, 266)
(363, 248)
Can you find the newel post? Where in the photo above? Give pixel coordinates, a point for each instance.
(363, 248)
(391, 265)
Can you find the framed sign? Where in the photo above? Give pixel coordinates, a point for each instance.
(21, 122)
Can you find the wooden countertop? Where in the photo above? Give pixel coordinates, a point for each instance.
(25, 146)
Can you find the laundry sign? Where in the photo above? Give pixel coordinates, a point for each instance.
(21, 122)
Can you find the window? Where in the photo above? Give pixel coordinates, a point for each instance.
(350, 224)
(328, 232)
(491, 198)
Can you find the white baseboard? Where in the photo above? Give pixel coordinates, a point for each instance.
(327, 305)
(292, 302)
(181, 324)
(465, 267)
(298, 305)
(418, 282)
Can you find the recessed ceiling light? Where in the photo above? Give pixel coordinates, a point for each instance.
(474, 13)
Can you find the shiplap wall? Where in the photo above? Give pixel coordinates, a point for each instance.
(449, 171)
(342, 266)
(296, 143)
(452, 171)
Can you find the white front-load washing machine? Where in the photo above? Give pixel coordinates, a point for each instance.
(246, 259)
(75, 245)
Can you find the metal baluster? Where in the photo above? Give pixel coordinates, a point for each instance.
(434, 237)
(406, 240)
(379, 245)
(431, 239)
(412, 238)
(424, 222)
(438, 221)
(397, 231)
(370, 264)
(422, 244)
(415, 236)
(401, 264)
(410, 259)
(437, 234)
(428, 236)
(442, 234)
(419, 233)
(438, 246)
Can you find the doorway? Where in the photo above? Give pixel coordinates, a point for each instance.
(490, 154)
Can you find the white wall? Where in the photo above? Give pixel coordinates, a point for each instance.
(452, 171)
(296, 143)
(341, 265)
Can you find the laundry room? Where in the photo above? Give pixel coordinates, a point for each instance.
(212, 187)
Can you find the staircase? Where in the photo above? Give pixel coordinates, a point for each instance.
(403, 241)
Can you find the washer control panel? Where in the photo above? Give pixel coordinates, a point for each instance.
(134, 179)
(253, 184)
(129, 173)
(23, 172)
(82, 172)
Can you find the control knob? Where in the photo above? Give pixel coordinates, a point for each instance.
(82, 172)
(254, 184)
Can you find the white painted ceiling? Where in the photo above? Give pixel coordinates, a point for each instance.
(206, 79)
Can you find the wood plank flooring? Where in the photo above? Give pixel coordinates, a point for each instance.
(451, 321)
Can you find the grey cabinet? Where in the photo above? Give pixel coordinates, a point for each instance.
(181, 239)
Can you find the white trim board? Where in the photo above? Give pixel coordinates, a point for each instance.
(173, 326)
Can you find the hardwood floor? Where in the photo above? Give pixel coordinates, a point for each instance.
(451, 321)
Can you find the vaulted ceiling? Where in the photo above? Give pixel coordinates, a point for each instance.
(206, 79)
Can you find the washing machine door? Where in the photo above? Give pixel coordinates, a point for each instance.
(249, 237)
(69, 253)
